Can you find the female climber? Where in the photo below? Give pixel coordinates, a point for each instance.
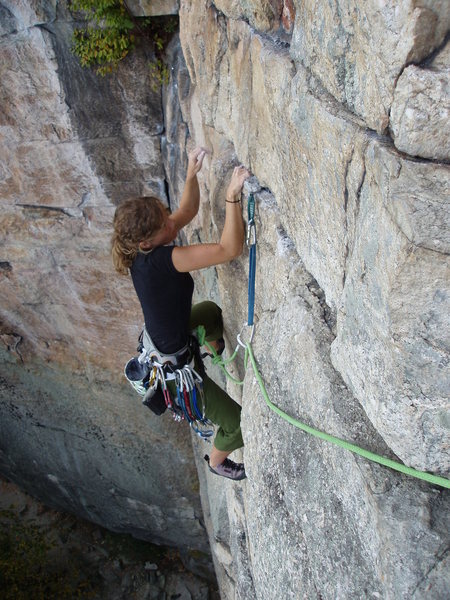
(142, 246)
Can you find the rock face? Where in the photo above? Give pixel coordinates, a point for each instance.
(343, 124)
(420, 112)
(352, 280)
(72, 433)
(153, 8)
(358, 51)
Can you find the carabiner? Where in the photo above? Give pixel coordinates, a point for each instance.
(153, 376)
(240, 342)
(188, 378)
(251, 233)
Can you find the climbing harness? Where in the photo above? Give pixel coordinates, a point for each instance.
(150, 372)
(249, 355)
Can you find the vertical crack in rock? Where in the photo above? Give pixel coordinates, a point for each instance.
(222, 29)
(175, 132)
(346, 250)
(351, 220)
(239, 551)
(328, 314)
(166, 189)
(360, 186)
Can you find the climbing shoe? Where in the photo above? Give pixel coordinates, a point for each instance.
(228, 468)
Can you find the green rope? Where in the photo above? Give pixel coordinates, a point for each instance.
(218, 360)
(387, 462)
(381, 460)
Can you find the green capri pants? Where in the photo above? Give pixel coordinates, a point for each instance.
(220, 408)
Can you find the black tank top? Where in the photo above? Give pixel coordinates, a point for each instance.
(165, 295)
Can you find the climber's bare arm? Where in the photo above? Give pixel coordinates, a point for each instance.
(199, 256)
(190, 198)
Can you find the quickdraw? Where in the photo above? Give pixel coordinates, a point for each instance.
(151, 371)
(188, 381)
(251, 244)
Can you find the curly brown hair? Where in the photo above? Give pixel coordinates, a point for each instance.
(135, 220)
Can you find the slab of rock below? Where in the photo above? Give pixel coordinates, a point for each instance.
(420, 113)
(85, 444)
(78, 555)
(358, 50)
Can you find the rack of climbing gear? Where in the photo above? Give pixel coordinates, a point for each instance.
(249, 356)
(150, 375)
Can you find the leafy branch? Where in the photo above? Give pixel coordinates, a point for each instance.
(111, 32)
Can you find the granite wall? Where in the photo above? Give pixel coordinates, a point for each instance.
(340, 110)
(73, 432)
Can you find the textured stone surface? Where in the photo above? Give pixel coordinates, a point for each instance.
(21, 14)
(313, 155)
(353, 242)
(420, 114)
(351, 302)
(393, 331)
(72, 431)
(153, 8)
(358, 50)
(312, 519)
(263, 15)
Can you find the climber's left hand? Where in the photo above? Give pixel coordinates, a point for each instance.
(195, 161)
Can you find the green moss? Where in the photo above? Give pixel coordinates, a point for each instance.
(111, 32)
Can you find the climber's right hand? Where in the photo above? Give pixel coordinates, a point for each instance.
(240, 174)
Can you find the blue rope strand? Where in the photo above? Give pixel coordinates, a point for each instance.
(251, 285)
